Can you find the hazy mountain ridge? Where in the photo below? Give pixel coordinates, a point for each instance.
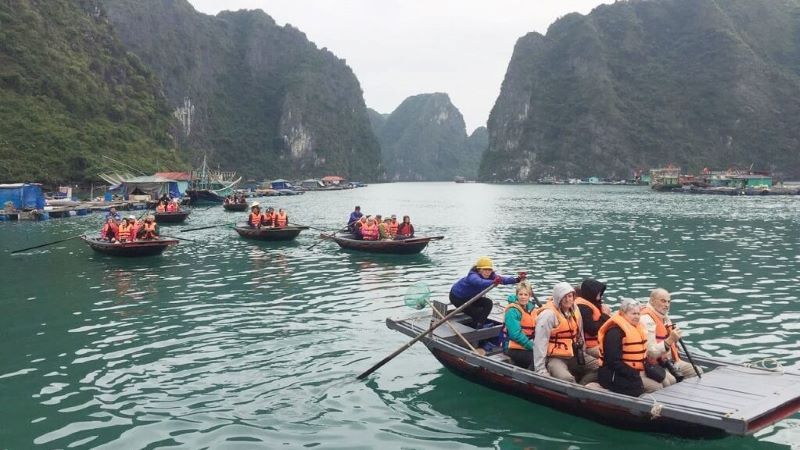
(697, 83)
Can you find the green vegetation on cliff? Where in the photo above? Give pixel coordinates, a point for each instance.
(69, 93)
(637, 84)
(255, 97)
(425, 139)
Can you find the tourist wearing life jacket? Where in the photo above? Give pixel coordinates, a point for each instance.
(161, 208)
(148, 229)
(254, 219)
(405, 230)
(369, 232)
(134, 227)
(479, 277)
(623, 352)
(126, 230)
(393, 226)
(558, 343)
(172, 206)
(109, 230)
(663, 335)
(519, 324)
(268, 219)
(281, 219)
(384, 232)
(594, 312)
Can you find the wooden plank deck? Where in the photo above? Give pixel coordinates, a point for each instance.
(732, 392)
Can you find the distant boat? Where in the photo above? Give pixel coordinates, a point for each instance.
(209, 186)
(171, 217)
(269, 233)
(398, 246)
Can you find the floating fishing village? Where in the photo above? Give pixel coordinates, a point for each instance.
(309, 224)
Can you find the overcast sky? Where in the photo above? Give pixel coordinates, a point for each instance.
(400, 48)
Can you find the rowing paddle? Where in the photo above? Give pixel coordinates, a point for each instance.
(45, 245)
(420, 239)
(207, 227)
(425, 333)
(323, 237)
(307, 226)
(689, 357)
(178, 238)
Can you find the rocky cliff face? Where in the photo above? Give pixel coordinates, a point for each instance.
(697, 83)
(70, 95)
(425, 139)
(253, 96)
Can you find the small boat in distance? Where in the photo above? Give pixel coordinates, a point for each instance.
(209, 186)
(235, 206)
(171, 217)
(730, 398)
(269, 233)
(130, 249)
(408, 246)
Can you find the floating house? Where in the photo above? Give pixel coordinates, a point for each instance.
(332, 180)
(149, 188)
(182, 180)
(21, 196)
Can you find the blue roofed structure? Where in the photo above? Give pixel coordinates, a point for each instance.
(23, 196)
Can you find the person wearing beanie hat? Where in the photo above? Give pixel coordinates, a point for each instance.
(479, 277)
(558, 340)
(594, 312)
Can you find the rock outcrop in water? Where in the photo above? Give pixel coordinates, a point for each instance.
(425, 139)
(637, 84)
(253, 96)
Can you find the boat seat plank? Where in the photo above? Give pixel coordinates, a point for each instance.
(471, 334)
(733, 392)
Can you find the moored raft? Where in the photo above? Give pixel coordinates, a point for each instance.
(235, 206)
(171, 217)
(398, 246)
(130, 249)
(269, 233)
(729, 399)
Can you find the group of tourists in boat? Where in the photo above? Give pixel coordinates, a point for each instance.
(575, 336)
(166, 205)
(374, 228)
(269, 218)
(118, 230)
(234, 199)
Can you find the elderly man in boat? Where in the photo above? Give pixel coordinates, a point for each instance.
(558, 343)
(663, 336)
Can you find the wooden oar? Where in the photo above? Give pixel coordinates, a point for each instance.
(207, 227)
(420, 239)
(425, 333)
(307, 226)
(176, 237)
(45, 245)
(323, 237)
(689, 357)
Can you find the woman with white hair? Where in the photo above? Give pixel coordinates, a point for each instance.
(623, 354)
(558, 343)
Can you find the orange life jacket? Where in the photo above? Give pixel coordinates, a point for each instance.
(662, 331)
(268, 219)
(591, 341)
(565, 334)
(634, 343)
(125, 231)
(149, 230)
(108, 227)
(160, 208)
(255, 219)
(281, 220)
(393, 227)
(369, 232)
(527, 322)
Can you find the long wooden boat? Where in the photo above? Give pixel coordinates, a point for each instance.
(130, 249)
(269, 233)
(171, 217)
(729, 399)
(398, 246)
(235, 206)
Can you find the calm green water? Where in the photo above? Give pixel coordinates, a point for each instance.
(227, 343)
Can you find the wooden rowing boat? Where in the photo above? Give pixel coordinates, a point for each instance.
(130, 249)
(171, 217)
(729, 399)
(235, 206)
(269, 233)
(398, 246)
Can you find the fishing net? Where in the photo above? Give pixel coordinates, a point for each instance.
(417, 295)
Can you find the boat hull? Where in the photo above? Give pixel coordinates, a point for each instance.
(235, 206)
(171, 217)
(395, 247)
(130, 249)
(203, 196)
(268, 233)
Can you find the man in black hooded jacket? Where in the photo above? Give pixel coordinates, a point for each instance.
(594, 312)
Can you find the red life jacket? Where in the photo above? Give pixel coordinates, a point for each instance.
(405, 229)
(369, 232)
(172, 207)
